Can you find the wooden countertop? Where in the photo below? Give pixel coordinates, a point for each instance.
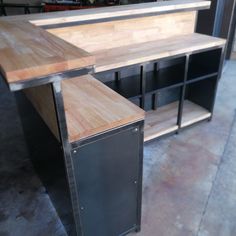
(92, 108)
(28, 52)
(143, 52)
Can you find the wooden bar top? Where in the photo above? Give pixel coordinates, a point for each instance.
(92, 108)
(27, 51)
(115, 11)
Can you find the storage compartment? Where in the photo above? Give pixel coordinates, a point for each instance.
(108, 171)
(204, 64)
(162, 119)
(160, 75)
(199, 101)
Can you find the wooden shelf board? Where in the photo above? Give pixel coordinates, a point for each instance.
(108, 59)
(93, 108)
(164, 120)
(193, 113)
(161, 121)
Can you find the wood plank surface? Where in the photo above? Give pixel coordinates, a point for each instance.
(27, 51)
(161, 121)
(164, 119)
(114, 11)
(193, 113)
(148, 51)
(92, 108)
(98, 36)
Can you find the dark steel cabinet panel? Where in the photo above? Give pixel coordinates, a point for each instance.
(107, 172)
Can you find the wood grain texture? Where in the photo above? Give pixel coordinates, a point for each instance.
(26, 52)
(92, 108)
(94, 37)
(161, 121)
(164, 119)
(41, 98)
(193, 113)
(115, 11)
(148, 51)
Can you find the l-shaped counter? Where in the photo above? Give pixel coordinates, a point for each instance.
(93, 85)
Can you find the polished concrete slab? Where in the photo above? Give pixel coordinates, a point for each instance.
(189, 179)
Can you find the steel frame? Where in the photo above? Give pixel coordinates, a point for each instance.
(68, 148)
(182, 85)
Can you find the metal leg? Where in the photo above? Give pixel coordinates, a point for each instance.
(182, 94)
(143, 85)
(61, 119)
(117, 76)
(154, 101)
(223, 53)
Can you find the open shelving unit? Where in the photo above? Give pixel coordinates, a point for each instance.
(156, 79)
(174, 92)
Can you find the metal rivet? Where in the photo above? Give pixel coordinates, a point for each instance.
(136, 129)
(135, 182)
(74, 151)
(81, 208)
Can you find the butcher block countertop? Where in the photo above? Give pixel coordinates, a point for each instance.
(28, 52)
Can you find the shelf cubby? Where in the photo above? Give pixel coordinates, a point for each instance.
(159, 76)
(204, 64)
(197, 105)
(166, 77)
(163, 119)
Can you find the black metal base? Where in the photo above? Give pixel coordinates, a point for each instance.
(108, 174)
(47, 158)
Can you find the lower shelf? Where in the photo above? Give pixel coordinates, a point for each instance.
(161, 121)
(164, 120)
(193, 113)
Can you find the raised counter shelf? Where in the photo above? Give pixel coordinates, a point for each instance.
(92, 108)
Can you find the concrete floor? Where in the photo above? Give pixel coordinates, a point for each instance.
(189, 179)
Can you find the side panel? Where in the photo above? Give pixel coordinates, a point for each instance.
(109, 175)
(41, 98)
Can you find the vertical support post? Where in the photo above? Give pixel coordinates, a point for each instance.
(142, 85)
(62, 127)
(223, 54)
(156, 67)
(140, 179)
(182, 93)
(154, 101)
(117, 76)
